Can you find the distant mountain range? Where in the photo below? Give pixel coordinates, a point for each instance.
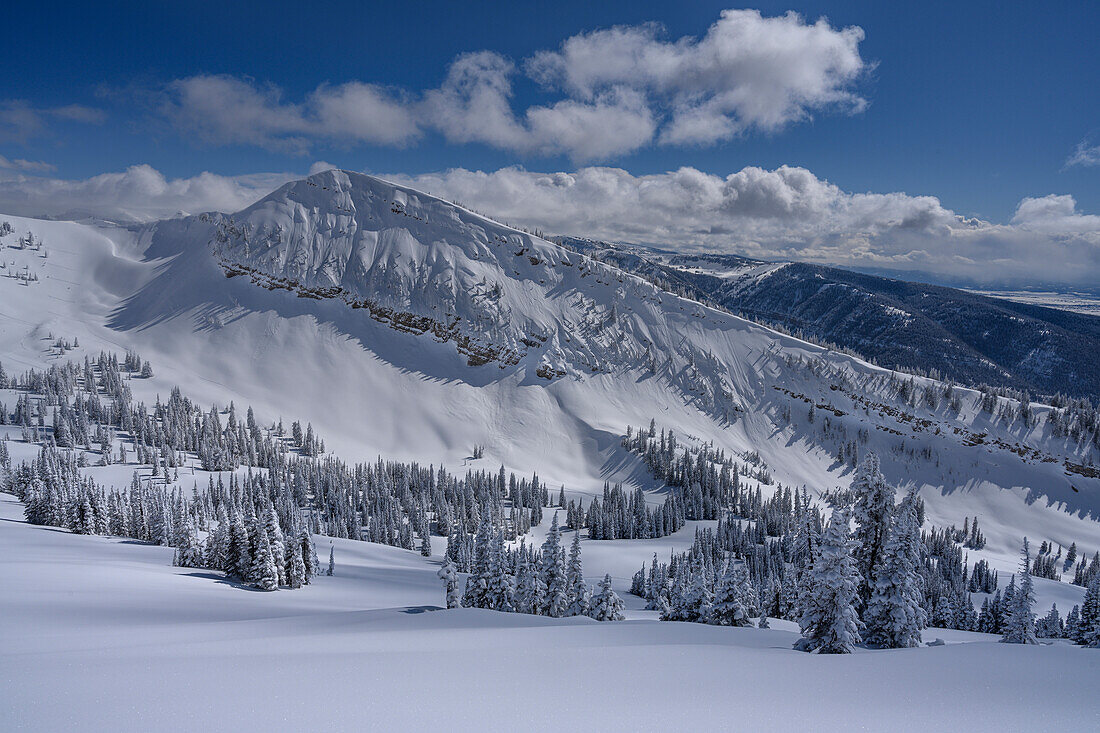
(969, 338)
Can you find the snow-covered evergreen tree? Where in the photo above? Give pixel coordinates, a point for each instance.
(579, 595)
(264, 572)
(1019, 625)
(894, 616)
(552, 573)
(829, 622)
(525, 599)
(295, 564)
(874, 504)
(606, 605)
(1088, 627)
(449, 575)
(734, 598)
(498, 583)
(476, 594)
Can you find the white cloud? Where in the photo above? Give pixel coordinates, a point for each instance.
(748, 71)
(1054, 214)
(786, 213)
(226, 110)
(20, 121)
(474, 105)
(140, 193)
(621, 89)
(19, 164)
(1087, 153)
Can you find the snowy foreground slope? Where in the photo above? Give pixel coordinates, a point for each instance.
(102, 634)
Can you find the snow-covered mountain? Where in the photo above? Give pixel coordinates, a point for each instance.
(401, 324)
(391, 322)
(963, 336)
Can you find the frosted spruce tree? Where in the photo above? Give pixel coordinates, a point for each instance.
(477, 585)
(525, 595)
(1087, 632)
(874, 504)
(189, 552)
(607, 606)
(552, 573)
(331, 561)
(295, 566)
(894, 616)
(579, 596)
(498, 588)
(829, 622)
(276, 542)
(264, 572)
(1019, 623)
(734, 598)
(449, 575)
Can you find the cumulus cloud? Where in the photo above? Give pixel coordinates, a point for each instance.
(227, 110)
(140, 193)
(1054, 214)
(785, 213)
(788, 213)
(20, 121)
(620, 90)
(474, 105)
(748, 71)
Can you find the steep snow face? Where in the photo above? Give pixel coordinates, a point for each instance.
(501, 296)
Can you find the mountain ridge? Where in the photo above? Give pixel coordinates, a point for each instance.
(970, 338)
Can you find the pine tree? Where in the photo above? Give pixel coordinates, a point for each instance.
(1049, 626)
(498, 590)
(476, 594)
(579, 596)
(309, 555)
(734, 598)
(552, 573)
(1020, 623)
(296, 566)
(331, 561)
(240, 554)
(607, 606)
(188, 552)
(449, 576)
(525, 596)
(894, 616)
(874, 503)
(276, 542)
(1088, 628)
(829, 621)
(264, 572)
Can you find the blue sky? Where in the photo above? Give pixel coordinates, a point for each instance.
(982, 105)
